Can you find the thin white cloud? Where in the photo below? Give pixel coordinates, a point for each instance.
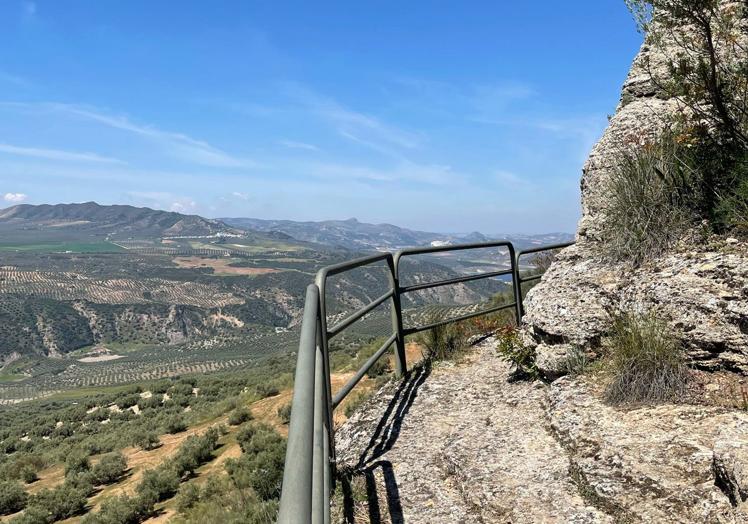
(15, 80)
(56, 154)
(511, 180)
(353, 125)
(405, 172)
(293, 144)
(240, 195)
(164, 200)
(182, 146)
(15, 197)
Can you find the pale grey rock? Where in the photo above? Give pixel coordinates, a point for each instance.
(552, 360)
(701, 291)
(464, 445)
(651, 463)
(703, 296)
(731, 468)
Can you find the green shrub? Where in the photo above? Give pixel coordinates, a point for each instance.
(121, 510)
(355, 402)
(576, 361)
(284, 413)
(110, 468)
(12, 497)
(175, 424)
(152, 402)
(267, 390)
(77, 462)
(158, 484)
(731, 212)
(187, 497)
(645, 362)
(651, 196)
(51, 505)
(513, 350)
(33, 515)
(29, 474)
(145, 439)
(379, 368)
(194, 452)
(240, 416)
(444, 342)
(263, 472)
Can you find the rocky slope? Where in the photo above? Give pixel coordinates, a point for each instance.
(700, 288)
(460, 443)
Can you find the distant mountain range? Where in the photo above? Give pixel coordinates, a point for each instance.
(90, 220)
(355, 235)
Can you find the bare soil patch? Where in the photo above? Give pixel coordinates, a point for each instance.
(220, 266)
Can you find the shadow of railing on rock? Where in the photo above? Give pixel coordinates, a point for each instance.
(384, 438)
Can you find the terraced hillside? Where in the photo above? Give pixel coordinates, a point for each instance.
(146, 307)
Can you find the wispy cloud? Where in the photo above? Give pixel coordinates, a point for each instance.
(356, 126)
(405, 172)
(511, 180)
(240, 195)
(164, 200)
(56, 154)
(15, 197)
(293, 144)
(183, 146)
(16, 80)
(475, 102)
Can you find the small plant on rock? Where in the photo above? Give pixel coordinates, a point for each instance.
(444, 342)
(513, 350)
(645, 361)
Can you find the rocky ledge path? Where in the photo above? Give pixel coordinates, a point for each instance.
(459, 443)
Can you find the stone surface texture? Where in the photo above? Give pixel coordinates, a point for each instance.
(461, 443)
(701, 288)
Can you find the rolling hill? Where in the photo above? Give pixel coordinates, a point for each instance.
(91, 221)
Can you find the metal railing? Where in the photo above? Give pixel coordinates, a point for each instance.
(310, 454)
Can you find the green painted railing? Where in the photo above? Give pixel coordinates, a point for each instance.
(310, 456)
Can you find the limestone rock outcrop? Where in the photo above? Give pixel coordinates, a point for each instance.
(701, 290)
(462, 443)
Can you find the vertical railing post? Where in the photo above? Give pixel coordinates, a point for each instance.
(401, 364)
(516, 284)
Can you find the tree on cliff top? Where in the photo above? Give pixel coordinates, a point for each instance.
(705, 47)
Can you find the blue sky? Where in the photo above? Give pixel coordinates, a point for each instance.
(449, 116)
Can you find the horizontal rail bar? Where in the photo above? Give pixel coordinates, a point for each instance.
(351, 264)
(468, 278)
(540, 249)
(340, 395)
(522, 279)
(340, 326)
(455, 247)
(410, 331)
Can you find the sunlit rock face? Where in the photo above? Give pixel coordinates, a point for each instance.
(701, 288)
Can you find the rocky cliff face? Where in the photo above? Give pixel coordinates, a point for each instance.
(701, 288)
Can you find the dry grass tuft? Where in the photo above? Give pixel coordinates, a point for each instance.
(645, 361)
